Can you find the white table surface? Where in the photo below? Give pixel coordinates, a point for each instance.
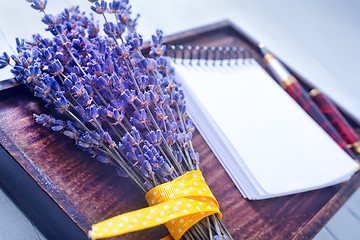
(319, 39)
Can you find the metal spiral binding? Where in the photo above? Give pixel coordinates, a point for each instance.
(210, 54)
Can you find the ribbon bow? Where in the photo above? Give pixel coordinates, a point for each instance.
(178, 204)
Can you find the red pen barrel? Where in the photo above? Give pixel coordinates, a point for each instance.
(303, 99)
(294, 89)
(336, 119)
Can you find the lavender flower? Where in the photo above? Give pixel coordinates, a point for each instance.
(48, 19)
(4, 60)
(38, 4)
(122, 108)
(99, 8)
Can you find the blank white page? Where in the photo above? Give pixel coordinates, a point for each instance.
(283, 148)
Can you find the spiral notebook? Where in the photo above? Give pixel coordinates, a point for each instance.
(267, 144)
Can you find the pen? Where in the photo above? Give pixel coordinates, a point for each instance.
(289, 83)
(327, 107)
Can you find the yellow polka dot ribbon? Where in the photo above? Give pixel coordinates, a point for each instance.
(178, 204)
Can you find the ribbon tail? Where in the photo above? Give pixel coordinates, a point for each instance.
(167, 238)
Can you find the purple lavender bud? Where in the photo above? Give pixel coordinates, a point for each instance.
(194, 156)
(143, 63)
(101, 82)
(154, 137)
(171, 126)
(136, 135)
(38, 5)
(128, 96)
(118, 116)
(46, 54)
(149, 151)
(164, 100)
(54, 85)
(126, 146)
(97, 69)
(160, 114)
(178, 156)
(157, 51)
(108, 139)
(119, 104)
(96, 136)
(152, 80)
(132, 156)
(144, 98)
(55, 68)
(114, 6)
(60, 39)
(17, 69)
(144, 172)
(93, 31)
(181, 138)
(68, 83)
(189, 126)
(128, 138)
(55, 29)
(118, 50)
(57, 128)
(137, 123)
(134, 45)
(188, 137)
(147, 166)
(84, 98)
(77, 43)
(182, 108)
(158, 37)
(223, 237)
(99, 8)
(103, 159)
(110, 29)
(4, 60)
(39, 119)
(89, 139)
(161, 171)
(19, 43)
(70, 134)
(89, 90)
(3, 64)
(40, 91)
(163, 64)
(84, 144)
(175, 97)
(164, 165)
(79, 110)
(154, 97)
(120, 29)
(48, 19)
(60, 56)
(32, 73)
(92, 112)
(61, 103)
(171, 137)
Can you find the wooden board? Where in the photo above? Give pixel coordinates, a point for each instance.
(64, 191)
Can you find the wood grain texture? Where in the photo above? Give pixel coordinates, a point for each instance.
(88, 191)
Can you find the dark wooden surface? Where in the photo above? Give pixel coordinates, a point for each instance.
(86, 191)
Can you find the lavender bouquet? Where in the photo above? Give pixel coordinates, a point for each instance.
(122, 108)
